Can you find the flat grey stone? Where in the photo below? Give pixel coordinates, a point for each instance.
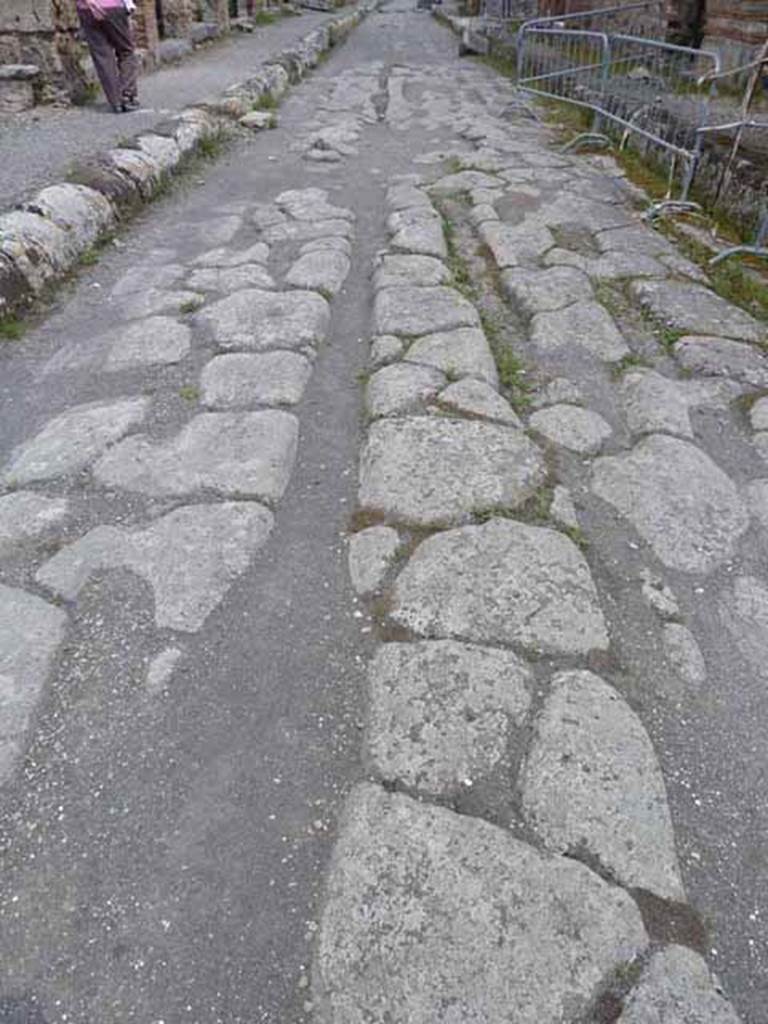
(414, 216)
(190, 558)
(266, 215)
(719, 357)
(502, 583)
(516, 245)
(744, 610)
(409, 311)
(655, 404)
(677, 988)
(311, 204)
(696, 310)
(326, 271)
(226, 257)
(617, 266)
(463, 181)
(139, 279)
(157, 341)
(397, 271)
(430, 471)
(560, 390)
(247, 454)
(461, 353)
(591, 784)
(30, 633)
(403, 197)
(585, 325)
(161, 669)
(370, 554)
(760, 441)
(677, 499)
(258, 320)
(658, 596)
(241, 380)
(758, 414)
(541, 291)
(401, 388)
(434, 916)
(684, 654)
(578, 430)
(477, 398)
(25, 516)
(482, 213)
(332, 242)
(73, 439)
(230, 279)
(562, 509)
(306, 230)
(422, 236)
(386, 348)
(637, 239)
(443, 713)
(756, 494)
(155, 301)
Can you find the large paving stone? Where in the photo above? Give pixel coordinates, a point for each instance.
(502, 583)
(677, 499)
(397, 271)
(541, 291)
(744, 610)
(412, 311)
(139, 279)
(371, 553)
(385, 349)
(461, 353)
(402, 197)
(431, 471)
(230, 279)
(578, 430)
(307, 230)
(311, 204)
(516, 245)
(258, 320)
(159, 340)
(227, 257)
(585, 325)
(433, 916)
(424, 237)
(443, 713)
(591, 784)
(696, 310)
(73, 439)
(758, 414)
(25, 516)
(189, 557)
(235, 454)
(653, 403)
(719, 357)
(677, 988)
(400, 388)
(326, 271)
(474, 397)
(30, 633)
(757, 498)
(156, 301)
(463, 181)
(240, 380)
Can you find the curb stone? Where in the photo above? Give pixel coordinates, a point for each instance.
(45, 238)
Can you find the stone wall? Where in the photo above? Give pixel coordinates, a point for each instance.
(43, 33)
(736, 28)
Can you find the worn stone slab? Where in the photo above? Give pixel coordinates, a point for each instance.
(578, 430)
(619, 265)
(433, 916)
(502, 583)
(26, 516)
(414, 216)
(385, 349)
(719, 357)
(684, 654)
(678, 500)
(73, 439)
(258, 320)
(311, 204)
(156, 301)
(190, 558)
(677, 988)
(562, 509)
(423, 236)
(161, 668)
(157, 341)
(404, 196)
(443, 713)
(461, 353)
(371, 553)
(463, 181)
(585, 325)
(139, 279)
(473, 397)
(541, 291)
(696, 310)
(638, 239)
(515, 245)
(306, 230)
(31, 631)
(231, 279)
(756, 494)
(653, 403)
(234, 454)
(398, 271)
(401, 388)
(558, 391)
(332, 242)
(758, 414)
(431, 472)
(409, 311)
(326, 271)
(242, 380)
(226, 257)
(744, 610)
(591, 785)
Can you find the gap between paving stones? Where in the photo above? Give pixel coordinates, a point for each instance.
(45, 239)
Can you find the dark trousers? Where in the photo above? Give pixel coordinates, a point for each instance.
(110, 41)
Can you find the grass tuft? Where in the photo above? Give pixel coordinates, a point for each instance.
(189, 392)
(11, 329)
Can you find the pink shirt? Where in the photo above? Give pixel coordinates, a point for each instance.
(106, 4)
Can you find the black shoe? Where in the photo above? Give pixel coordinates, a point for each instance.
(116, 109)
(131, 103)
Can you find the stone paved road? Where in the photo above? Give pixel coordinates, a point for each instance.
(384, 592)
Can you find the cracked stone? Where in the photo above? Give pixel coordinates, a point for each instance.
(677, 988)
(73, 440)
(578, 430)
(461, 353)
(655, 403)
(696, 310)
(443, 713)
(190, 558)
(400, 388)
(26, 516)
(430, 471)
(472, 924)
(541, 291)
(477, 398)
(257, 320)
(235, 454)
(684, 654)
(719, 357)
(31, 631)
(371, 553)
(585, 325)
(591, 784)
(678, 500)
(325, 271)
(502, 583)
(411, 311)
(156, 341)
(399, 271)
(231, 279)
(241, 380)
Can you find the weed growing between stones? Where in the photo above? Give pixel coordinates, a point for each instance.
(632, 361)
(189, 392)
(264, 18)
(190, 306)
(265, 102)
(11, 329)
(89, 258)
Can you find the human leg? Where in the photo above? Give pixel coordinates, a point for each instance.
(103, 55)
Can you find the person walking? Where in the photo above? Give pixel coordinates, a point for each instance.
(107, 29)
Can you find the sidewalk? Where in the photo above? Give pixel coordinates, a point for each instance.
(38, 148)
